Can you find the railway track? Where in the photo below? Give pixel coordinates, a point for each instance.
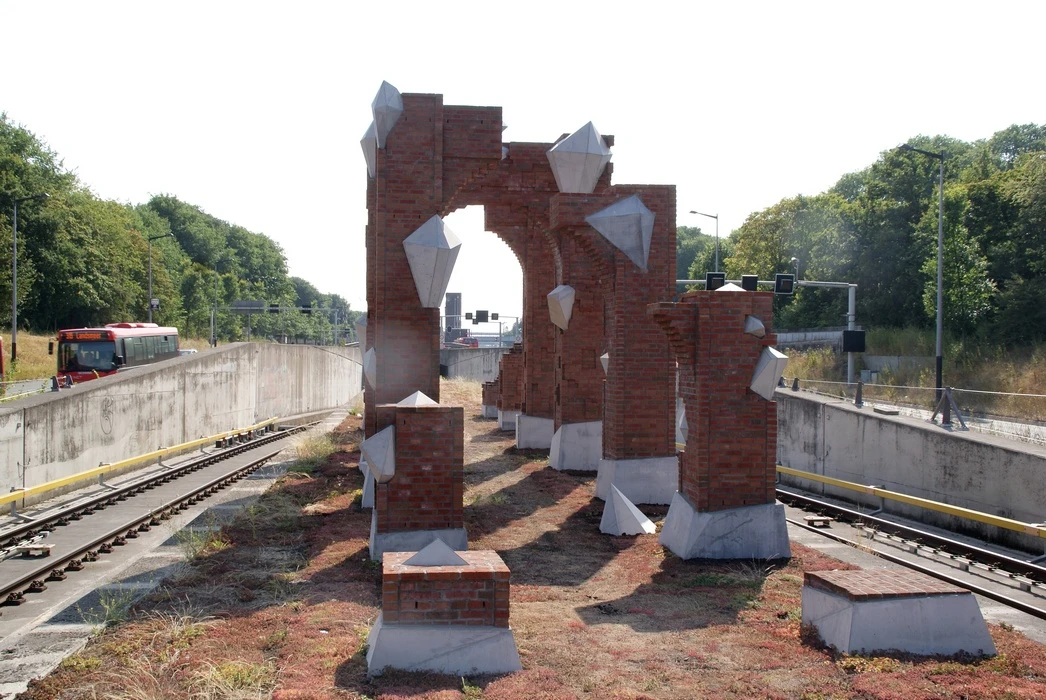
(1013, 582)
(60, 541)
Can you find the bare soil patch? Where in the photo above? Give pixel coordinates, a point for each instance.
(280, 603)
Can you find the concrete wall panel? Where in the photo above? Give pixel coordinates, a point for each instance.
(143, 409)
(477, 364)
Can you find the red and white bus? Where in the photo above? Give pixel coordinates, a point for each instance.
(89, 353)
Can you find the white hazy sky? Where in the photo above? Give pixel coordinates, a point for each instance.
(254, 110)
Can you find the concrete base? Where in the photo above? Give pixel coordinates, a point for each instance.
(507, 419)
(414, 541)
(939, 624)
(577, 446)
(533, 432)
(490, 411)
(459, 650)
(751, 532)
(652, 480)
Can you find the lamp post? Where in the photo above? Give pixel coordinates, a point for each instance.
(716, 217)
(14, 271)
(151, 239)
(795, 261)
(940, 260)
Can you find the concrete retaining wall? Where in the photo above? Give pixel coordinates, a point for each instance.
(479, 364)
(142, 409)
(982, 472)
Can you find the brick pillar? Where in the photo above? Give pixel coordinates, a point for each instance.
(725, 506)
(639, 405)
(425, 494)
(510, 389)
(430, 153)
(731, 445)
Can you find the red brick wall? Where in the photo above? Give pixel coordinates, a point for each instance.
(731, 443)
(510, 389)
(476, 594)
(432, 150)
(639, 405)
(490, 392)
(426, 492)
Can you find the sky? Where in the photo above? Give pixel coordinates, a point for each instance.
(254, 111)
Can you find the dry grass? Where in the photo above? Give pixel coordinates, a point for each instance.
(284, 610)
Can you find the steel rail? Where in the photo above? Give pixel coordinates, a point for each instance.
(89, 504)
(972, 587)
(52, 569)
(946, 544)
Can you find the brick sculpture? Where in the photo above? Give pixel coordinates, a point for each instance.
(418, 462)
(445, 611)
(725, 506)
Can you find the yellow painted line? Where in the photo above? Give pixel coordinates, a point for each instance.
(976, 515)
(103, 469)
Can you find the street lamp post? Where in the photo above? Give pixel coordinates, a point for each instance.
(151, 239)
(716, 217)
(14, 272)
(940, 261)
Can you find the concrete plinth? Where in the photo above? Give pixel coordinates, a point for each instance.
(490, 411)
(458, 650)
(533, 432)
(920, 615)
(751, 532)
(577, 446)
(507, 419)
(652, 480)
(412, 541)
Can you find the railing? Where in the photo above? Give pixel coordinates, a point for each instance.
(1033, 529)
(19, 493)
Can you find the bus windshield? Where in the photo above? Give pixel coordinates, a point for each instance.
(86, 356)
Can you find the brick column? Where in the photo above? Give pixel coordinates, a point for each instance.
(725, 507)
(510, 388)
(423, 499)
(474, 594)
(638, 410)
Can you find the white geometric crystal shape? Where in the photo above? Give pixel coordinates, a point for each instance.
(730, 287)
(431, 252)
(387, 108)
(417, 399)
(628, 224)
(578, 160)
(682, 429)
(620, 517)
(361, 330)
(753, 326)
(604, 360)
(369, 144)
(380, 451)
(370, 367)
(768, 372)
(560, 305)
(436, 553)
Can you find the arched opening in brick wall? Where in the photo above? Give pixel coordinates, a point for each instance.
(487, 273)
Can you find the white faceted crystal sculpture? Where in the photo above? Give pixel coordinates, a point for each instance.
(578, 160)
(380, 452)
(560, 305)
(387, 108)
(369, 144)
(431, 252)
(370, 367)
(361, 330)
(768, 372)
(629, 225)
(621, 517)
(436, 553)
(682, 428)
(730, 287)
(753, 326)
(604, 360)
(417, 399)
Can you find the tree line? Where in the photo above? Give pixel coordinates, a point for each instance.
(878, 228)
(83, 260)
